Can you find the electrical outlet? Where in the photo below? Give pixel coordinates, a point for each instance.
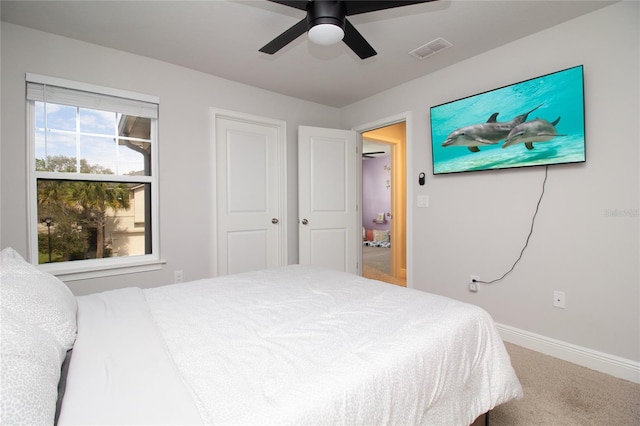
(559, 299)
(178, 276)
(473, 285)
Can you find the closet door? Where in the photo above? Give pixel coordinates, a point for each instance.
(250, 194)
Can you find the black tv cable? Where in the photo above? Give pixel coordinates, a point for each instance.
(533, 221)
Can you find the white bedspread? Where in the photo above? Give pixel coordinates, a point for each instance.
(120, 371)
(306, 345)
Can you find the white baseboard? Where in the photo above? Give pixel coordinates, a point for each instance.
(610, 364)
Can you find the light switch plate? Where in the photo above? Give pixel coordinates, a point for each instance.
(422, 201)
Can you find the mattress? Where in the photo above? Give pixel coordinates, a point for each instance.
(291, 345)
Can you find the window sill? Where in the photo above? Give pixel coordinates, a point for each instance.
(87, 269)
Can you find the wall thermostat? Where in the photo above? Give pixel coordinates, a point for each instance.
(421, 177)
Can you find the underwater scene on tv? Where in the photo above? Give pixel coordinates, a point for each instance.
(532, 123)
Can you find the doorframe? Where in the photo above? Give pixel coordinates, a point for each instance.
(281, 127)
(384, 122)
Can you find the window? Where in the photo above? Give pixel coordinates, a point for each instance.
(93, 178)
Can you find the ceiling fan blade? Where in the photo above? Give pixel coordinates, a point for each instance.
(285, 38)
(356, 7)
(298, 4)
(372, 154)
(356, 41)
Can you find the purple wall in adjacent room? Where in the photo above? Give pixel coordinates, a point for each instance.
(376, 191)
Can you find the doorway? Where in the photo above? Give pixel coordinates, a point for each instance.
(384, 254)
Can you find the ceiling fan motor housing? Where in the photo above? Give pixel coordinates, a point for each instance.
(326, 12)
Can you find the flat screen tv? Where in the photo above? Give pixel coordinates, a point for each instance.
(532, 123)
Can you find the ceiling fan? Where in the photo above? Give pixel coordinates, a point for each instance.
(326, 22)
(372, 154)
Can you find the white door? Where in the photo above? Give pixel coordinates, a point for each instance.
(327, 194)
(250, 197)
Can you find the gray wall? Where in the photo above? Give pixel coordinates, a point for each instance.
(186, 97)
(586, 235)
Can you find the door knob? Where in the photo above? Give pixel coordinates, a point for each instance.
(274, 220)
(305, 221)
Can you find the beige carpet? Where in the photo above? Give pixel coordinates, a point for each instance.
(376, 264)
(377, 258)
(557, 392)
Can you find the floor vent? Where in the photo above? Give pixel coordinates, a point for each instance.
(431, 48)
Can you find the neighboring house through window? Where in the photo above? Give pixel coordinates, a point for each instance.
(93, 178)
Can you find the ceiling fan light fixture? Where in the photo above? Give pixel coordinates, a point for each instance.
(326, 34)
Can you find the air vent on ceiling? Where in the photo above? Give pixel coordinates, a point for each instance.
(431, 48)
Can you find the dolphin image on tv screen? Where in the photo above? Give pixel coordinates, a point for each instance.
(489, 133)
(538, 130)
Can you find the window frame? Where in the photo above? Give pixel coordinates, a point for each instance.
(91, 268)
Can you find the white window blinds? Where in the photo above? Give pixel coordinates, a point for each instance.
(57, 91)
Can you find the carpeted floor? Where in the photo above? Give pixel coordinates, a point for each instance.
(558, 393)
(376, 264)
(377, 258)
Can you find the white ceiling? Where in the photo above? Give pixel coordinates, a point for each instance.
(222, 38)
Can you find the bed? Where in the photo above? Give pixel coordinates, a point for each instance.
(290, 345)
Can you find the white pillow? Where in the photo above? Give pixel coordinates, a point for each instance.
(30, 361)
(37, 298)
